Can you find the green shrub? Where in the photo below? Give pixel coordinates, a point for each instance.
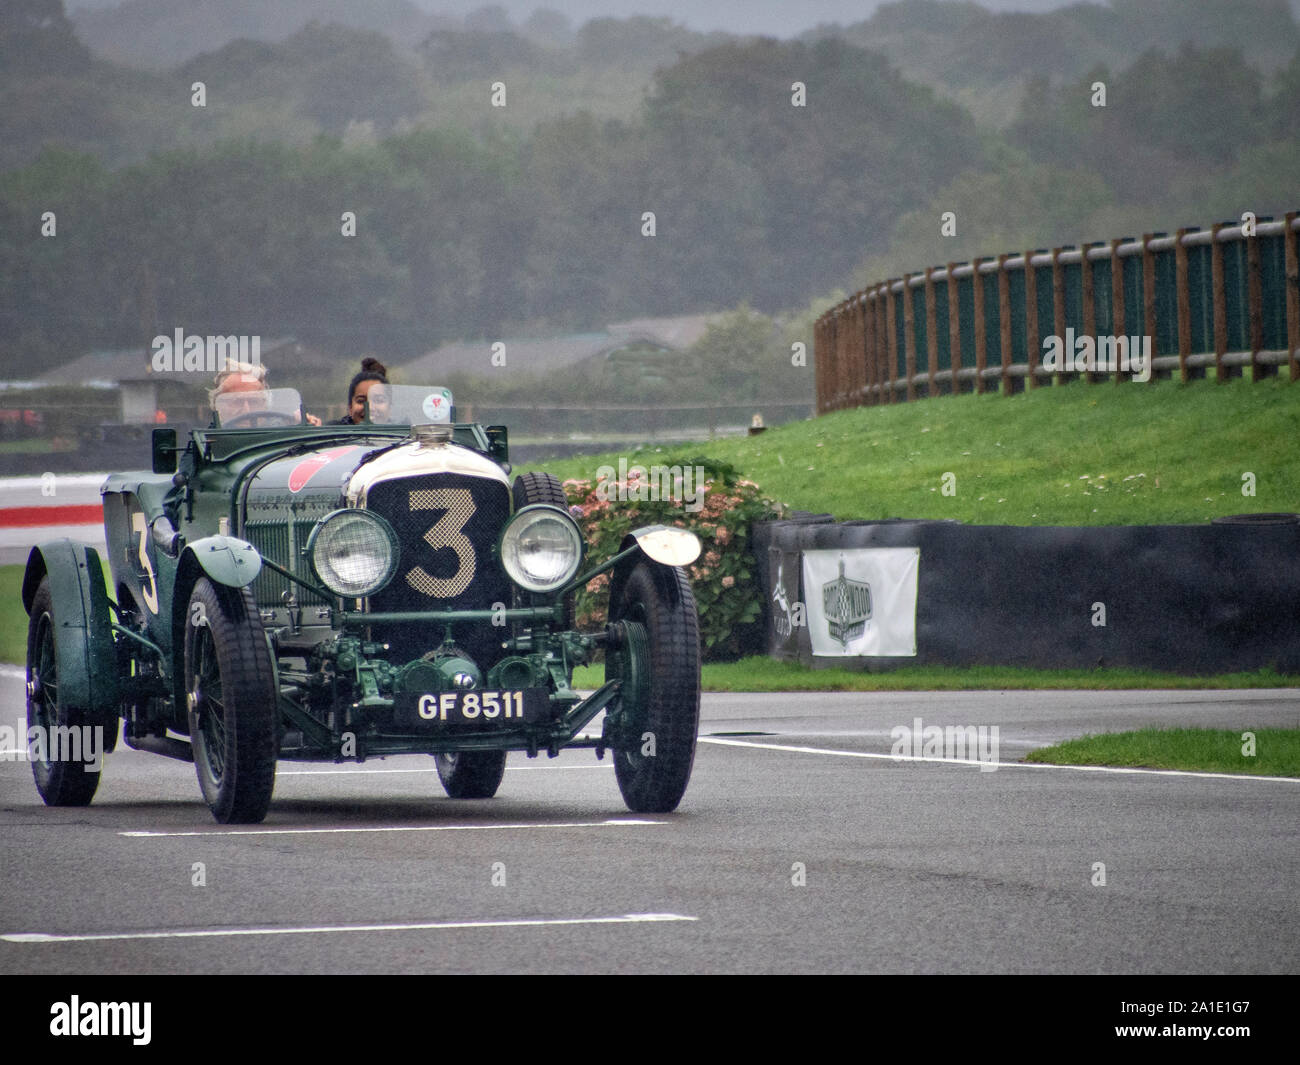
(724, 577)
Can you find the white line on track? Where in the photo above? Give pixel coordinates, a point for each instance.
(541, 922)
(377, 772)
(975, 763)
(610, 823)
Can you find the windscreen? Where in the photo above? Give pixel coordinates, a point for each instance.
(408, 404)
(258, 408)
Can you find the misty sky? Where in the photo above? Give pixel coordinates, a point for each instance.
(781, 18)
(778, 18)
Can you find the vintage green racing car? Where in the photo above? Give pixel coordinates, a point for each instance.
(344, 592)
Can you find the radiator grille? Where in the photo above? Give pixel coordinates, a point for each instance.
(271, 538)
(448, 525)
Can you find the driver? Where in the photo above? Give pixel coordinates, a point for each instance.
(242, 388)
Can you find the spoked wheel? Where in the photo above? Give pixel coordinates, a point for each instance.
(471, 774)
(658, 661)
(232, 702)
(63, 730)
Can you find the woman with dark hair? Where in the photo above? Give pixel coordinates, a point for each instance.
(372, 371)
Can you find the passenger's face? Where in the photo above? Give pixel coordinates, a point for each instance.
(242, 394)
(377, 395)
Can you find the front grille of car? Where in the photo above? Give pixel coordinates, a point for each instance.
(448, 525)
(271, 538)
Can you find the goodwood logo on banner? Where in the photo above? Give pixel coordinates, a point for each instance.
(848, 607)
(867, 604)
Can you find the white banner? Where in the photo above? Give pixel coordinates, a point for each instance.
(862, 600)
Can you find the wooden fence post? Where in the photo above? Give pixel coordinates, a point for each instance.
(1032, 341)
(1058, 301)
(891, 348)
(1089, 306)
(1292, 283)
(1149, 294)
(931, 340)
(909, 336)
(1004, 324)
(1220, 302)
(954, 330)
(1255, 303)
(981, 342)
(1118, 326)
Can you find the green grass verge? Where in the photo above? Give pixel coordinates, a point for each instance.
(13, 618)
(1076, 454)
(1277, 751)
(760, 674)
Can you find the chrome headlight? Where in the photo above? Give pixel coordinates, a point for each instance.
(541, 548)
(353, 552)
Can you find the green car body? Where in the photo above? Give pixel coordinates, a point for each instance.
(230, 634)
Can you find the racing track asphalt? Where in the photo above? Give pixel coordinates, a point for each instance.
(909, 866)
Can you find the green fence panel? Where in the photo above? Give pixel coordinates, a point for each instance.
(1272, 287)
(1019, 338)
(966, 309)
(919, 314)
(992, 320)
(1103, 303)
(942, 327)
(1200, 296)
(1046, 305)
(1073, 297)
(1236, 303)
(1165, 341)
(900, 359)
(1135, 323)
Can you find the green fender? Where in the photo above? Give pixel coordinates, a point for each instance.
(664, 545)
(226, 559)
(83, 624)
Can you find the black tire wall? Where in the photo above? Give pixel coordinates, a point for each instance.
(1192, 599)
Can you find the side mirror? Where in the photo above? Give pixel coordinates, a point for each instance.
(164, 451)
(498, 442)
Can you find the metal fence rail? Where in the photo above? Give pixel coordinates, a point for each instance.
(1203, 298)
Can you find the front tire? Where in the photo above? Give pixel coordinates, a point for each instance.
(471, 774)
(231, 693)
(60, 780)
(659, 664)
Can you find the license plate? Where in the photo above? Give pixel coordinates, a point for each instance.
(470, 707)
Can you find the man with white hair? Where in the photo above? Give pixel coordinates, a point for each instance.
(242, 390)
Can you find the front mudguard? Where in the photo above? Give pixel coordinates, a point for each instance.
(228, 561)
(87, 657)
(668, 586)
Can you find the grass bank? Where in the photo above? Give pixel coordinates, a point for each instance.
(760, 674)
(1258, 752)
(1074, 454)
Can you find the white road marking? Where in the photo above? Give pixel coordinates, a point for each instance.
(540, 922)
(16, 672)
(1000, 765)
(609, 823)
(377, 772)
